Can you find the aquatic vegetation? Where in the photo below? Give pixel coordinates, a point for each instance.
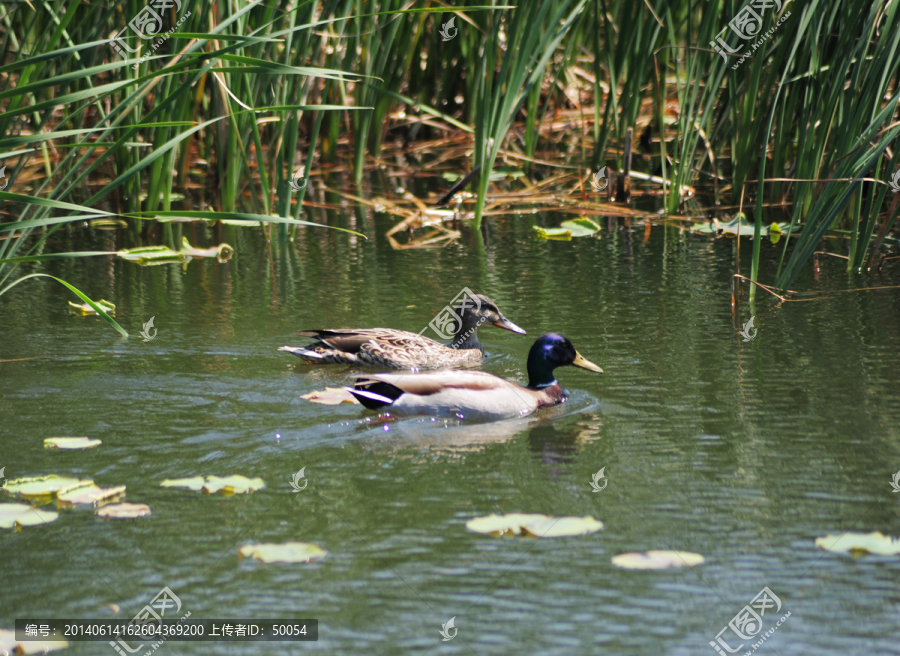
(858, 544)
(582, 227)
(225, 485)
(85, 308)
(17, 515)
(71, 443)
(533, 525)
(265, 104)
(90, 495)
(657, 560)
(124, 511)
(288, 552)
(44, 486)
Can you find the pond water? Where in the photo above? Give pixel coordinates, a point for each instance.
(744, 452)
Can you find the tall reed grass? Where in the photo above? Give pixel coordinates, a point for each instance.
(241, 95)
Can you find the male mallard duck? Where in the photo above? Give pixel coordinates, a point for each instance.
(475, 394)
(400, 349)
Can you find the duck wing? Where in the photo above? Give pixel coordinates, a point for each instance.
(471, 394)
(351, 340)
(426, 384)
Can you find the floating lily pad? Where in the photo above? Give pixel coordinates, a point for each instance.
(227, 485)
(152, 255)
(775, 230)
(44, 486)
(84, 308)
(330, 396)
(9, 645)
(497, 173)
(195, 483)
(289, 552)
(223, 251)
(582, 227)
(538, 526)
(108, 223)
(657, 560)
(859, 544)
(238, 222)
(124, 511)
(90, 495)
(71, 443)
(16, 515)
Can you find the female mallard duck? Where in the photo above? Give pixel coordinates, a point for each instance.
(400, 349)
(475, 394)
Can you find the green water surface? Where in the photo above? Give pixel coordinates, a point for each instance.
(744, 452)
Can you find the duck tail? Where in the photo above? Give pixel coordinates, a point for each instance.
(301, 352)
(320, 356)
(375, 394)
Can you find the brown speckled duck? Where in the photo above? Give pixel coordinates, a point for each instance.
(401, 349)
(474, 394)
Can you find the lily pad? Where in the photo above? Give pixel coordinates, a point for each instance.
(196, 483)
(538, 526)
(108, 223)
(71, 443)
(44, 486)
(497, 173)
(582, 227)
(223, 251)
(124, 511)
(146, 252)
(90, 495)
(17, 515)
(227, 485)
(859, 544)
(330, 396)
(84, 308)
(657, 560)
(242, 224)
(289, 552)
(9, 644)
(152, 255)
(775, 230)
